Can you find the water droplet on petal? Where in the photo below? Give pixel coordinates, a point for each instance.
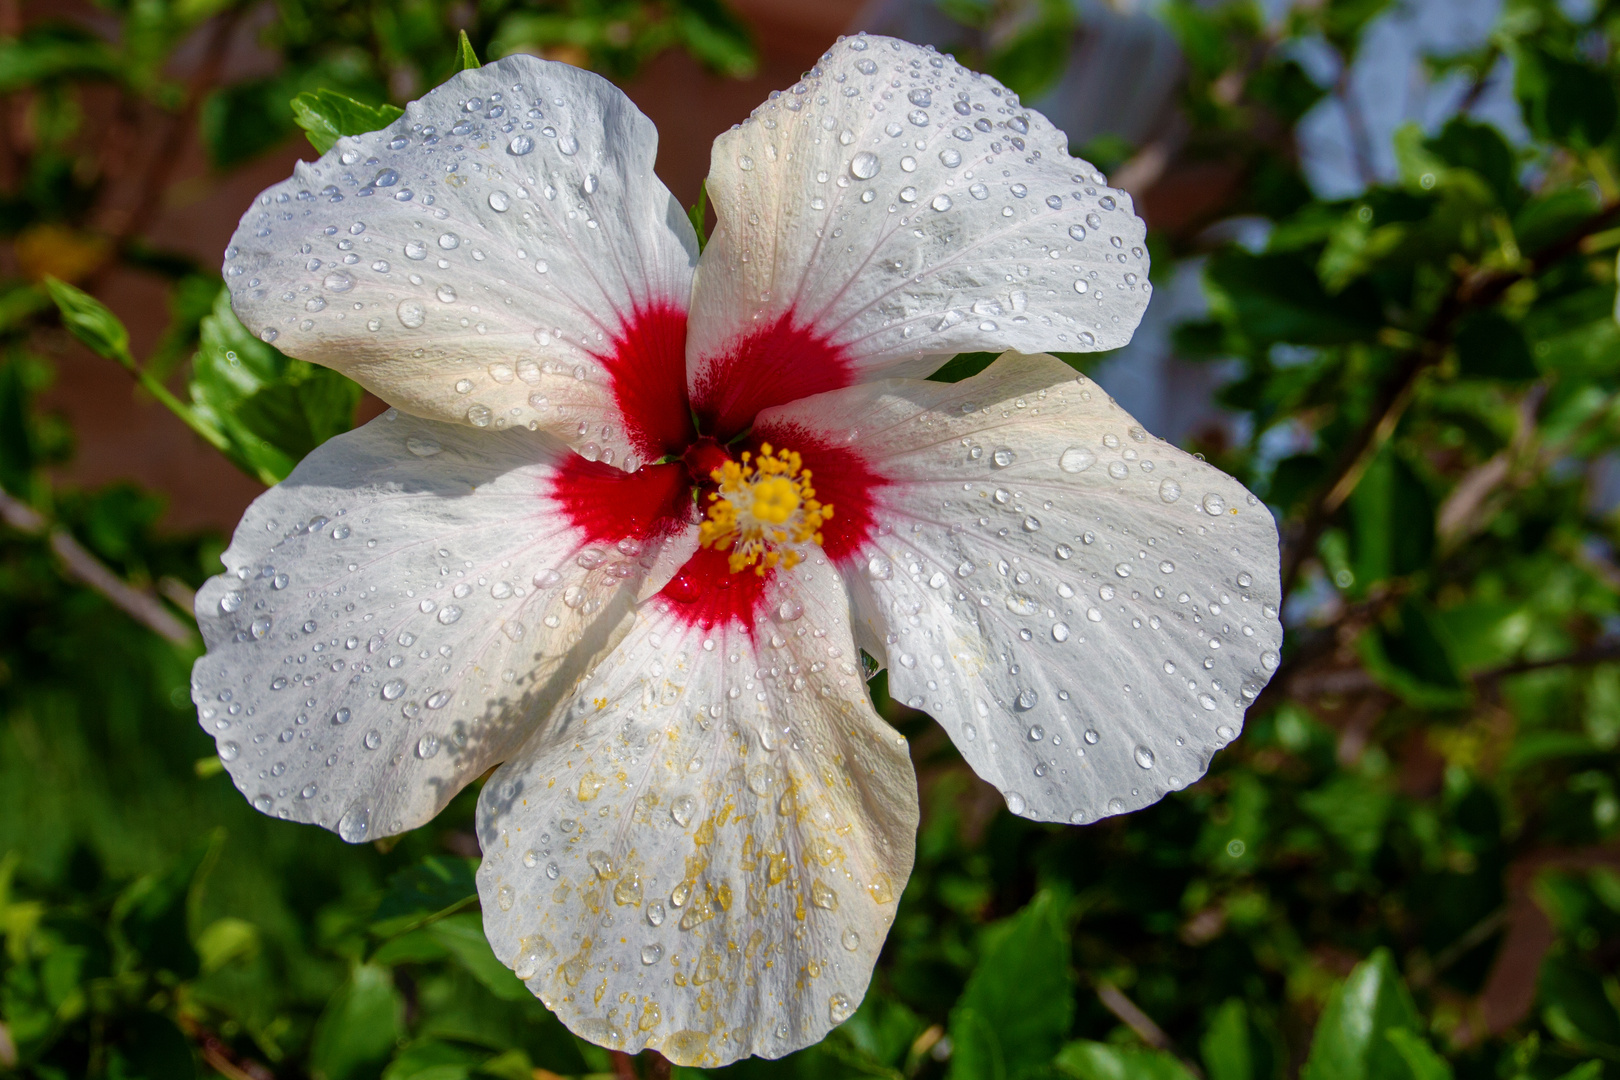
(1076, 459)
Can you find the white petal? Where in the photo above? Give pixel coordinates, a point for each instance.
(437, 303)
(1086, 609)
(704, 856)
(395, 618)
(981, 232)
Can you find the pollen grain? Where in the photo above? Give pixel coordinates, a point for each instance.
(764, 511)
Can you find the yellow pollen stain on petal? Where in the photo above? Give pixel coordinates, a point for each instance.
(765, 509)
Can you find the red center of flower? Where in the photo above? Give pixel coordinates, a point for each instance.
(648, 370)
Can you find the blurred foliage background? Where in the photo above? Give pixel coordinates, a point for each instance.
(1408, 868)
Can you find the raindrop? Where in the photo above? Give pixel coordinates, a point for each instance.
(864, 165)
(941, 203)
(1026, 700)
(1144, 757)
(1016, 803)
(392, 689)
(1003, 458)
(355, 823)
(230, 601)
(1077, 232)
(499, 201)
(522, 144)
(1076, 459)
(840, 1008)
(415, 250)
(411, 314)
(505, 897)
(446, 294)
(851, 940)
(1214, 504)
(681, 810)
(651, 954)
(879, 568)
(1060, 631)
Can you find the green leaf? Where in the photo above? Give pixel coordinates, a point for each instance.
(151, 1047)
(976, 1052)
(1017, 1005)
(1277, 297)
(1467, 144)
(92, 322)
(1225, 1046)
(466, 59)
(717, 37)
(464, 938)
(326, 115)
(360, 1027)
(1350, 1041)
(1410, 653)
(1566, 101)
(1102, 1061)
(1421, 1060)
(1035, 57)
(1391, 520)
(225, 940)
(1351, 810)
(1575, 1005)
(270, 408)
(434, 887)
(152, 914)
(697, 211)
(1491, 346)
(883, 1028)
(430, 1059)
(47, 55)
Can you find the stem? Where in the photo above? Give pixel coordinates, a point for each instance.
(83, 566)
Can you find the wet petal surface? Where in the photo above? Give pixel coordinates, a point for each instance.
(398, 615)
(1086, 609)
(893, 207)
(500, 256)
(704, 855)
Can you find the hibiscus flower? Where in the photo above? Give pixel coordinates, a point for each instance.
(637, 513)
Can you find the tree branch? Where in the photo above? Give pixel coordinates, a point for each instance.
(155, 179)
(85, 568)
(1473, 292)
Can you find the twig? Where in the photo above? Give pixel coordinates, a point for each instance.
(85, 568)
(220, 1057)
(154, 180)
(1130, 1014)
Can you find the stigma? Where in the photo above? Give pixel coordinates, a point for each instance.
(764, 512)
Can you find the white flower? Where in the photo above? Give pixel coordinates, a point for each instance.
(701, 828)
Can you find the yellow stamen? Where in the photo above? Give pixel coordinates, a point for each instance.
(764, 508)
